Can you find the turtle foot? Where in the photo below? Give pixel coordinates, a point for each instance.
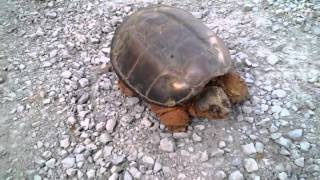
(175, 119)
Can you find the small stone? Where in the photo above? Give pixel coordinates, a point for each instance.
(46, 155)
(84, 82)
(250, 165)
(220, 175)
(295, 134)
(2, 79)
(97, 155)
(37, 177)
(196, 137)
(71, 172)
(248, 7)
(146, 123)
(107, 150)
(114, 176)
(118, 159)
(71, 121)
(284, 151)
(127, 176)
(259, 147)
(284, 112)
(167, 145)
(272, 59)
(100, 126)
(222, 144)
(135, 172)
(111, 124)
(84, 98)
(148, 160)
(104, 138)
(279, 93)
(283, 176)
(91, 173)
(204, 156)
(313, 168)
(275, 136)
(65, 143)
(46, 101)
(249, 148)
(157, 167)
(132, 101)
(51, 163)
(197, 15)
(51, 14)
(236, 175)
(66, 74)
(299, 162)
(305, 146)
(284, 142)
(68, 162)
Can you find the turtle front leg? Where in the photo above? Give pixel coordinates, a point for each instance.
(175, 119)
(234, 86)
(125, 89)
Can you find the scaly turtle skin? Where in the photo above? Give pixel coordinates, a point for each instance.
(169, 58)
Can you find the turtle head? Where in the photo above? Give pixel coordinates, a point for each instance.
(212, 103)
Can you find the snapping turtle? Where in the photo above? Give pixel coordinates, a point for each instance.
(173, 61)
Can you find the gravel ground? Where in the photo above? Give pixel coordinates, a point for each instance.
(63, 116)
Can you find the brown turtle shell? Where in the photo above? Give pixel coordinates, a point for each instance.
(166, 55)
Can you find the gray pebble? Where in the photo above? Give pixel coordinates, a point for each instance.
(284, 142)
(51, 163)
(236, 175)
(299, 162)
(71, 172)
(167, 145)
(84, 98)
(51, 14)
(250, 165)
(91, 174)
(157, 167)
(220, 175)
(196, 137)
(100, 126)
(249, 148)
(283, 176)
(295, 134)
(272, 59)
(114, 176)
(66, 74)
(111, 124)
(127, 176)
(259, 147)
(68, 162)
(84, 82)
(135, 172)
(313, 168)
(279, 93)
(65, 142)
(305, 146)
(104, 138)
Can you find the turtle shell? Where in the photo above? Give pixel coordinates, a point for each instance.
(166, 55)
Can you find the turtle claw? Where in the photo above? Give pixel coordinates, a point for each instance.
(234, 86)
(175, 119)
